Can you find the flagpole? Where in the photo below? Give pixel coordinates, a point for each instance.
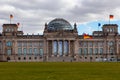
(11, 16)
(98, 30)
(110, 17)
(10, 20)
(98, 27)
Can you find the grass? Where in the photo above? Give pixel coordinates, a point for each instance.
(59, 71)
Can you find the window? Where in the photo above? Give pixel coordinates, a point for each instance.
(101, 50)
(85, 44)
(19, 44)
(41, 52)
(30, 44)
(111, 43)
(19, 51)
(90, 44)
(24, 51)
(80, 51)
(9, 29)
(24, 44)
(95, 44)
(111, 50)
(108, 30)
(9, 52)
(100, 44)
(36, 44)
(12, 29)
(85, 51)
(81, 44)
(9, 43)
(35, 51)
(30, 51)
(6, 30)
(41, 44)
(90, 51)
(96, 51)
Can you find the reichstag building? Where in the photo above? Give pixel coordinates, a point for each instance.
(60, 42)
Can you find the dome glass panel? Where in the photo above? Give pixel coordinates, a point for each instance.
(59, 24)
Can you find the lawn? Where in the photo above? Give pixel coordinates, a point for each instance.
(59, 71)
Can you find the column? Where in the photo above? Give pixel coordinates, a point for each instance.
(3, 50)
(14, 47)
(117, 47)
(52, 47)
(105, 48)
(66, 47)
(45, 58)
(60, 47)
(3, 47)
(69, 48)
(57, 47)
(63, 45)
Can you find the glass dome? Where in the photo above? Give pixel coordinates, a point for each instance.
(59, 24)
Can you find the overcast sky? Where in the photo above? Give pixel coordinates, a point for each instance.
(33, 14)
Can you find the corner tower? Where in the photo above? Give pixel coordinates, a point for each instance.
(11, 30)
(110, 29)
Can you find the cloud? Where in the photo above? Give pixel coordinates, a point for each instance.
(94, 9)
(33, 14)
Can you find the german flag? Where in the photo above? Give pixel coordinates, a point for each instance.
(87, 36)
(111, 16)
(11, 16)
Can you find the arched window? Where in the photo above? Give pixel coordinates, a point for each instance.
(111, 43)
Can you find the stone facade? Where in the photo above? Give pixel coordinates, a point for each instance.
(60, 42)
